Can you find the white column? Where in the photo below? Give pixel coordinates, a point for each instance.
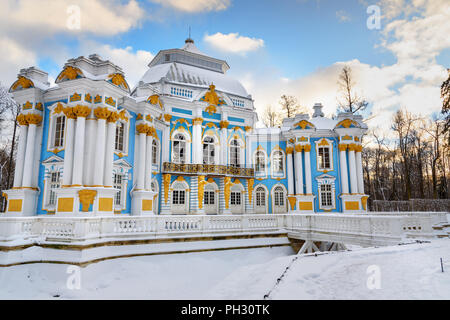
(77, 179)
(223, 146)
(29, 156)
(165, 144)
(89, 160)
(37, 156)
(109, 155)
(140, 179)
(290, 172)
(308, 169)
(197, 156)
(100, 153)
(68, 151)
(359, 172)
(352, 166)
(148, 164)
(248, 152)
(18, 173)
(299, 170)
(343, 163)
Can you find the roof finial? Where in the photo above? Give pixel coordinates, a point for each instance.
(189, 40)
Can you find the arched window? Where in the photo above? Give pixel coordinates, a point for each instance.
(208, 150)
(118, 185)
(235, 153)
(277, 162)
(155, 152)
(279, 196)
(55, 183)
(179, 148)
(260, 162)
(260, 197)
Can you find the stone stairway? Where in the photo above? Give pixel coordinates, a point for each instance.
(442, 230)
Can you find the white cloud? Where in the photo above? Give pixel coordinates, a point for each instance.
(233, 42)
(133, 63)
(194, 6)
(28, 28)
(415, 31)
(98, 17)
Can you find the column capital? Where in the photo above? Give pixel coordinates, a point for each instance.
(224, 124)
(68, 111)
(142, 128)
(81, 111)
(151, 132)
(352, 147)
(197, 121)
(343, 147)
(113, 117)
(307, 148)
(33, 118)
(167, 117)
(102, 113)
(290, 150)
(21, 119)
(358, 148)
(298, 148)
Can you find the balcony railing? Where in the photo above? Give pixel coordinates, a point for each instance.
(208, 169)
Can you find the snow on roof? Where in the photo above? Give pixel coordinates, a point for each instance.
(191, 47)
(186, 74)
(322, 123)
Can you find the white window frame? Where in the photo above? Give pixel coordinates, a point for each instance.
(326, 180)
(330, 152)
(52, 165)
(187, 147)
(52, 129)
(278, 174)
(214, 150)
(121, 167)
(273, 196)
(262, 169)
(156, 155)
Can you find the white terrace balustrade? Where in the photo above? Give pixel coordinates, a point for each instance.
(364, 230)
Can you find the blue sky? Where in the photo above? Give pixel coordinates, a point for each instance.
(295, 47)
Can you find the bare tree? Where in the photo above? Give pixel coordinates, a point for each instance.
(445, 95)
(349, 100)
(270, 117)
(290, 106)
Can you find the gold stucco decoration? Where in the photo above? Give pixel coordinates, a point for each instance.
(86, 198)
(69, 73)
(22, 83)
(227, 191)
(250, 183)
(201, 188)
(166, 181)
(102, 113)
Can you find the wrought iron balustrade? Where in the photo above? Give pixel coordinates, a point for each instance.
(208, 169)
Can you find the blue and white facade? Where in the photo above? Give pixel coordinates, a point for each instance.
(182, 141)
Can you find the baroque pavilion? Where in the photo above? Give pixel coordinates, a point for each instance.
(182, 141)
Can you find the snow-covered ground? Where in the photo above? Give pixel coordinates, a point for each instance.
(405, 272)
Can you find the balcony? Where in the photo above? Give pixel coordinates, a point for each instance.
(208, 169)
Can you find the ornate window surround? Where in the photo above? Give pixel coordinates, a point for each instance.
(241, 147)
(122, 167)
(261, 174)
(272, 196)
(54, 113)
(52, 164)
(324, 142)
(326, 179)
(283, 162)
(187, 141)
(266, 193)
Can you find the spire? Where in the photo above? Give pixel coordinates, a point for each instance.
(189, 39)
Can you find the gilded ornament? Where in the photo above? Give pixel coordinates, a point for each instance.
(346, 123)
(59, 108)
(211, 96)
(323, 142)
(33, 118)
(28, 105)
(81, 111)
(68, 111)
(88, 98)
(155, 100)
(166, 181)
(142, 128)
(110, 101)
(22, 120)
(303, 124)
(224, 124)
(227, 191)
(86, 198)
(201, 188)
(75, 97)
(118, 80)
(211, 109)
(250, 183)
(69, 73)
(167, 117)
(39, 106)
(197, 121)
(307, 148)
(102, 113)
(113, 117)
(343, 147)
(289, 150)
(23, 83)
(98, 99)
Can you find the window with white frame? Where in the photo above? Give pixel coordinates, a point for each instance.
(155, 152)
(208, 150)
(326, 195)
(235, 198)
(178, 196)
(324, 157)
(260, 162)
(120, 137)
(208, 197)
(260, 197)
(118, 178)
(55, 183)
(179, 148)
(278, 163)
(279, 196)
(235, 153)
(58, 137)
